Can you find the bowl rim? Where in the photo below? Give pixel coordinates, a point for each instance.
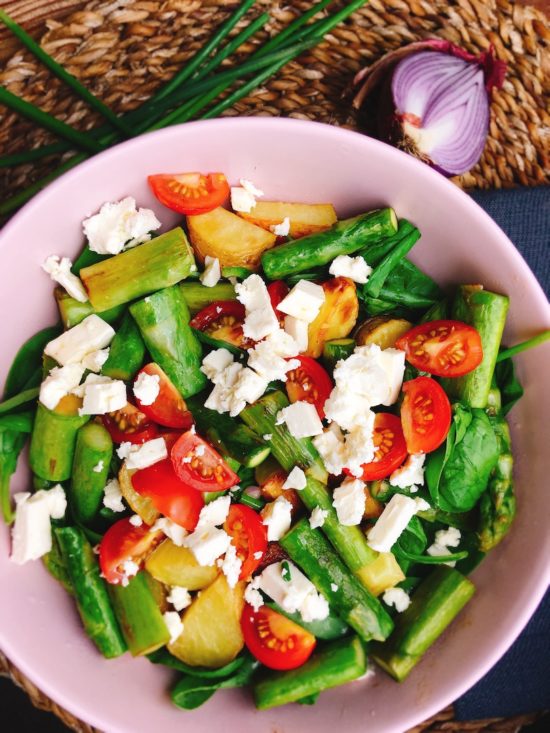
(465, 681)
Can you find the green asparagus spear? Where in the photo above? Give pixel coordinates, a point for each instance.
(160, 263)
(92, 459)
(53, 442)
(436, 602)
(198, 296)
(345, 237)
(55, 565)
(72, 311)
(163, 319)
(92, 598)
(126, 353)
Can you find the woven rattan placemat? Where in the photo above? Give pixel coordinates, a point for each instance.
(123, 49)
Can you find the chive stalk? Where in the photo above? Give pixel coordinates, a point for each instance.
(541, 338)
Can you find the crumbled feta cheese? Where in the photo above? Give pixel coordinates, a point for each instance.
(314, 608)
(215, 513)
(146, 388)
(298, 329)
(349, 502)
(410, 474)
(282, 229)
(124, 449)
(130, 568)
(277, 517)
(353, 267)
(302, 419)
(304, 301)
(347, 409)
(31, 533)
(179, 597)
(390, 524)
(212, 272)
(242, 200)
(147, 454)
(72, 346)
(90, 379)
(221, 397)
(172, 530)
(270, 359)
(248, 388)
(267, 436)
(231, 566)
(372, 373)
(98, 468)
(57, 501)
(260, 318)
(135, 520)
(94, 361)
(58, 384)
(174, 624)
(215, 362)
(117, 225)
(258, 555)
(296, 479)
(251, 188)
(112, 498)
(207, 544)
(422, 505)
(359, 446)
(294, 594)
(445, 538)
(102, 397)
(252, 595)
(317, 517)
(398, 598)
(334, 587)
(253, 491)
(332, 451)
(60, 272)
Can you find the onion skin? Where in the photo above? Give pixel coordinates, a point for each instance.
(375, 101)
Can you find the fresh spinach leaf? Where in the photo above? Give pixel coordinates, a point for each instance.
(458, 472)
(409, 287)
(163, 656)
(413, 540)
(20, 422)
(508, 383)
(26, 369)
(11, 445)
(309, 699)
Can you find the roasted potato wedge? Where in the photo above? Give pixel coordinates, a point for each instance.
(141, 505)
(175, 565)
(234, 241)
(382, 573)
(337, 316)
(304, 218)
(381, 330)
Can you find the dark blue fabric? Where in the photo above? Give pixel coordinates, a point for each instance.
(520, 682)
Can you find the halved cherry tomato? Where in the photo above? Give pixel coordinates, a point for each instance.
(129, 425)
(169, 408)
(198, 465)
(249, 535)
(122, 543)
(391, 449)
(443, 348)
(425, 415)
(190, 193)
(223, 320)
(309, 383)
(275, 640)
(278, 290)
(170, 496)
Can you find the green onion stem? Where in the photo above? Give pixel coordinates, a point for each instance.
(62, 74)
(27, 156)
(430, 559)
(19, 399)
(529, 344)
(291, 29)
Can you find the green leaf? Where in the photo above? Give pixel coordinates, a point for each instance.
(27, 395)
(163, 656)
(20, 422)
(508, 383)
(11, 445)
(28, 362)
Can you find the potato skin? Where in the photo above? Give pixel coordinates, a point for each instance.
(304, 219)
(381, 330)
(337, 316)
(174, 565)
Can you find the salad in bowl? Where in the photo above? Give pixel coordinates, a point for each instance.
(265, 446)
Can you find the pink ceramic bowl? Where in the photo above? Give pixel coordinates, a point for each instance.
(293, 161)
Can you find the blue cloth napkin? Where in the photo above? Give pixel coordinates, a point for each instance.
(520, 682)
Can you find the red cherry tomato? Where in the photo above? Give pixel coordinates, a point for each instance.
(249, 535)
(425, 415)
(275, 640)
(170, 496)
(190, 193)
(169, 408)
(198, 465)
(310, 383)
(223, 320)
(391, 449)
(129, 425)
(278, 290)
(122, 543)
(443, 348)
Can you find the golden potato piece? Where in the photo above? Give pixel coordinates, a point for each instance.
(141, 505)
(234, 241)
(175, 565)
(212, 633)
(337, 316)
(304, 218)
(382, 330)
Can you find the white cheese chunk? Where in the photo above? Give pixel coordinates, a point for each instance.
(398, 598)
(248, 388)
(304, 301)
(282, 229)
(207, 544)
(102, 397)
(147, 454)
(277, 517)
(347, 408)
(58, 384)
(445, 538)
(317, 517)
(296, 479)
(94, 361)
(215, 362)
(260, 318)
(214, 513)
(298, 329)
(117, 225)
(353, 267)
(301, 419)
(251, 188)
(270, 359)
(359, 446)
(410, 474)
(179, 597)
(242, 200)
(172, 530)
(231, 566)
(146, 388)
(174, 624)
(31, 533)
(332, 450)
(59, 269)
(72, 346)
(99, 466)
(252, 595)
(391, 523)
(212, 272)
(221, 397)
(295, 593)
(349, 502)
(135, 520)
(372, 373)
(112, 498)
